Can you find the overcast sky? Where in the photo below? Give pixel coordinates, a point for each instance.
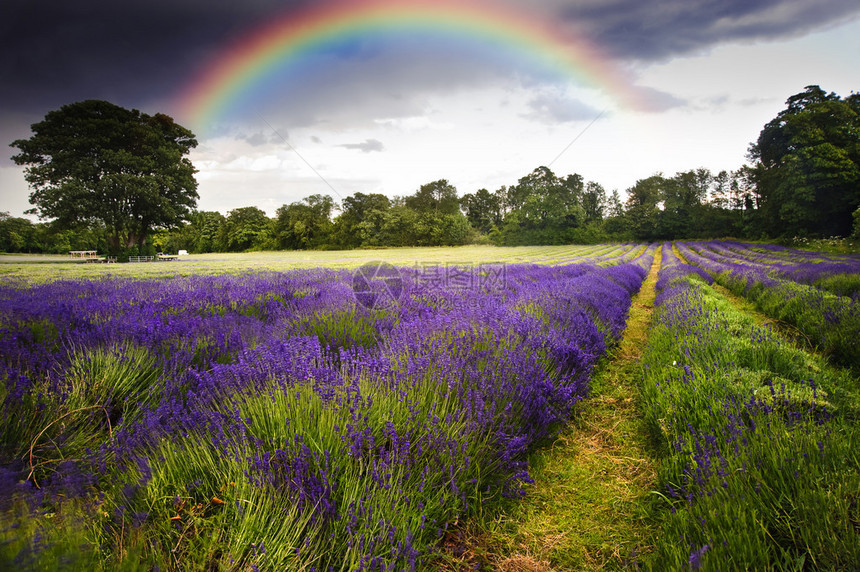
(389, 113)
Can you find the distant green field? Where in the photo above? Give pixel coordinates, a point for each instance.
(38, 268)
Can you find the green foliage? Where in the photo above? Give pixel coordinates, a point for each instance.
(245, 228)
(438, 197)
(202, 234)
(803, 182)
(93, 162)
(483, 209)
(827, 321)
(661, 208)
(546, 209)
(16, 234)
(403, 226)
(807, 165)
(855, 233)
(304, 225)
(545, 202)
(360, 220)
(22, 235)
(642, 213)
(594, 202)
(683, 199)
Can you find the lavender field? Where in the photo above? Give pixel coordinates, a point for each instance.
(184, 417)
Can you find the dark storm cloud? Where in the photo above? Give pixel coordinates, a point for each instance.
(132, 51)
(658, 29)
(141, 53)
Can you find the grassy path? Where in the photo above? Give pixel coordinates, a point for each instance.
(785, 330)
(588, 507)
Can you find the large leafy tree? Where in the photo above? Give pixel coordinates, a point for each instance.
(305, 224)
(438, 197)
(205, 229)
(594, 202)
(246, 228)
(807, 165)
(94, 163)
(360, 220)
(483, 209)
(642, 213)
(16, 234)
(544, 208)
(683, 199)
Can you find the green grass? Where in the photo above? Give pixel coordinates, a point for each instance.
(840, 284)
(60, 422)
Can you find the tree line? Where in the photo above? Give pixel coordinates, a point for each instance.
(541, 208)
(803, 179)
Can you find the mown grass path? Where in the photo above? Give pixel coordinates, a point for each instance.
(786, 331)
(588, 507)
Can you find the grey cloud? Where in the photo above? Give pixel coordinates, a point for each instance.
(654, 30)
(552, 108)
(368, 146)
(653, 100)
(259, 139)
(753, 101)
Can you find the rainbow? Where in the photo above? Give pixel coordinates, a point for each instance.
(235, 75)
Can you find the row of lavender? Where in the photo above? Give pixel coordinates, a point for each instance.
(827, 321)
(759, 466)
(269, 420)
(838, 274)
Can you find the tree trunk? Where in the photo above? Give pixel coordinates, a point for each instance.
(113, 240)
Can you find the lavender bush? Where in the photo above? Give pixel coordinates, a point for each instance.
(267, 420)
(828, 322)
(838, 275)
